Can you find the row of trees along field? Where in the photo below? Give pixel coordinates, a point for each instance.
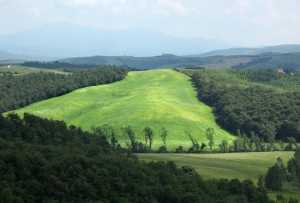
(243, 143)
(254, 103)
(43, 160)
(19, 91)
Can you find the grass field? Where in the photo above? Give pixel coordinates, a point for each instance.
(20, 70)
(230, 165)
(156, 98)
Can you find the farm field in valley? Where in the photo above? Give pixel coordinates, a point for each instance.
(246, 165)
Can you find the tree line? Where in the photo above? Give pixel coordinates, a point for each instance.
(253, 110)
(44, 160)
(57, 65)
(242, 143)
(19, 91)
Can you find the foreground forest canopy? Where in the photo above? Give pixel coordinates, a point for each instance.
(45, 161)
(19, 91)
(253, 103)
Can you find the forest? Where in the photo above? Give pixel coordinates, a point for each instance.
(19, 91)
(267, 105)
(43, 160)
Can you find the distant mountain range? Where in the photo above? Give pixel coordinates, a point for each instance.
(290, 61)
(137, 48)
(286, 48)
(60, 40)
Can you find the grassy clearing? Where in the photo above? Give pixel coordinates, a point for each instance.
(21, 70)
(230, 165)
(156, 98)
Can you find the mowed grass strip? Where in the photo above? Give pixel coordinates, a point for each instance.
(156, 98)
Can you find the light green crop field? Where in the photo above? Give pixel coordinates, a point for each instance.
(20, 70)
(156, 98)
(247, 165)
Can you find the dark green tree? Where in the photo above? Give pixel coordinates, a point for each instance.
(148, 132)
(210, 137)
(195, 145)
(224, 146)
(276, 176)
(294, 168)
(163, 135)
(128, 132)
(291, 143)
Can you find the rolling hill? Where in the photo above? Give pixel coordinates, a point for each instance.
(257, 62)
(156, 98)
(284, 48)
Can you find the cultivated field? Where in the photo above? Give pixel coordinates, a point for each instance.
(156, 98)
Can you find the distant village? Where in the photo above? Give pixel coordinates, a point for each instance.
(283, 71)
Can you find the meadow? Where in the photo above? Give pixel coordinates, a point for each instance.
(246, 165)
(156, 98)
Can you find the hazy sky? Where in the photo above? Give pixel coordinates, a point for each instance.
(239, 22)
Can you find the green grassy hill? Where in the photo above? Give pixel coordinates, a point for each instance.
(20, 70)
(157, 98)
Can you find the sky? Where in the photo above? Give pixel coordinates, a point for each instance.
(239, 22)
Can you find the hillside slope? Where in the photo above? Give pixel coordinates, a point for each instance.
(157, 98)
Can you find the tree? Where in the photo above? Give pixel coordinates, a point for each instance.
(239, 144)
(163, 135)
(261, 183)
(276, 176)
(195, 144)
(130, 133)
(106, 131)
(224, 146)
(148, 136)
(209, 135)
(114, 140)
(294, 167)
(271, 140)
(256, 141)
(281, 144)
(291, 141)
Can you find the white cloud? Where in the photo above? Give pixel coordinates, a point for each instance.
(173, 6)
(78, 3)
(235, 21)
(239, 6)
(34, 11)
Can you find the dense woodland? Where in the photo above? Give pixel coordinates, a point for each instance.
(270, 111)
(45, 161)
(19, 91)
